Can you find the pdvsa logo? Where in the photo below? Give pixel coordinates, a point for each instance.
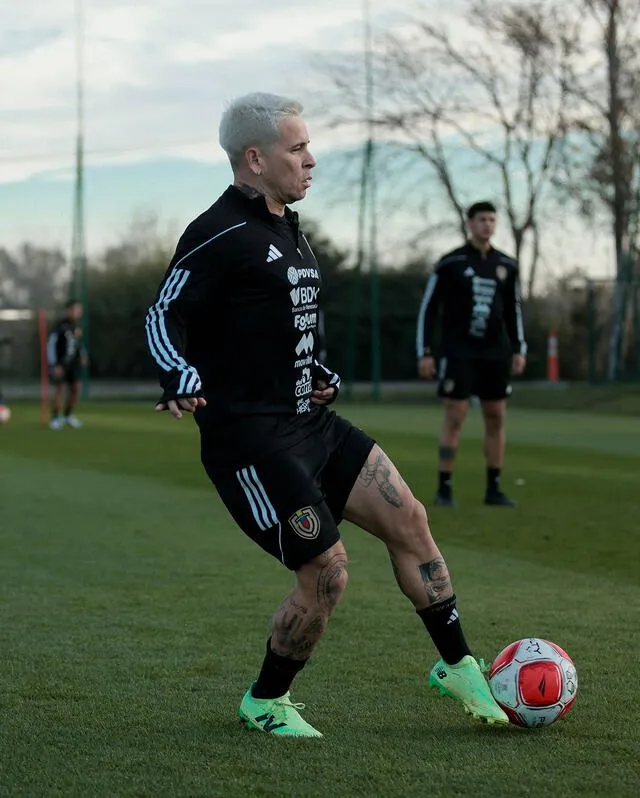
(295, 275)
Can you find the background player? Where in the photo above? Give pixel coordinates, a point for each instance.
(66, 355)
(471, 309)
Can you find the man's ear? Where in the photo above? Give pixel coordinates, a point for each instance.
(254, 160)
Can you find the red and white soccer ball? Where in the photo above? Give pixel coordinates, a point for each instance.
(5, 414)
(534, 681)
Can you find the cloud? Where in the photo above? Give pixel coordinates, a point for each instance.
(157, 73)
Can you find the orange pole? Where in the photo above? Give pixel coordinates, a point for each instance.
(44, 367)
(553, 366)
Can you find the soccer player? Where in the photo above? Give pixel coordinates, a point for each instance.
(473, 300)
(66, 355)
(233, 330)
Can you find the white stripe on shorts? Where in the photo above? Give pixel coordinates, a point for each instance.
(263, 511)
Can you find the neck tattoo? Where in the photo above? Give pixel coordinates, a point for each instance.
(250, 191)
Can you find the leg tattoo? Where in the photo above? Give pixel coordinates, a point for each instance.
(294, 633)
(447, 453)
(436, 580)
(379, 470)
(329, 588)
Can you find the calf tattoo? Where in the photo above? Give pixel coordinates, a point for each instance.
(447, 452)
(378, 469)
(295, 633)
(436, 580)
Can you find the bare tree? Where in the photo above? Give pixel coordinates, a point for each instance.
(31, 277)
(496, 94)
(602, 152)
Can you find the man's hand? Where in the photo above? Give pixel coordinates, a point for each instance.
(427, 367)
(58, 371)
(518, 363)
(186, 403)
(322, 394)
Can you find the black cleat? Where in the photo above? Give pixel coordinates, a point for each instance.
(496, 498)
(445, 501)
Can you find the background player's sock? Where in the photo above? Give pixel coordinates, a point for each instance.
(444, 484)
(276, 674)
(442, 622)
(493, 480)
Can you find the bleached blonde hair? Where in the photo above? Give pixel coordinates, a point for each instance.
(252, 121)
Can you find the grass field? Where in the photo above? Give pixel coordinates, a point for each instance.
(134, 615)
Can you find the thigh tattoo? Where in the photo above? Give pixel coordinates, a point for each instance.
(379, 470)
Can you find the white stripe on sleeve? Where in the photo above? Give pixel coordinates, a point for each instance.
(333, 378)
(519, 322)
(428, 294)
(52, 347)
(160, 346)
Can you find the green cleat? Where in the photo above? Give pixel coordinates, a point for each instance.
(465, 682)
(277, 716)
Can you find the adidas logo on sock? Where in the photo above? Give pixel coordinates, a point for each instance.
(273, 253)
(453, 617)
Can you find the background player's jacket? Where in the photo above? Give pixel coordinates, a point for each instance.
(471, 307)
(236, 319)
(64, 345)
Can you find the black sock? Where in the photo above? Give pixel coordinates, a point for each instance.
(493, 480)
(276, 674)
(444, 483)
(68, 410)
(442, 622)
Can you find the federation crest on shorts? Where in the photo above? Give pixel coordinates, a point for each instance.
(305, 523)
(501, 273)
(448, 386)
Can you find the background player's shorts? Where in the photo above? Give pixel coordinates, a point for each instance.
(460, 378)
(72, 373)
(290, 503)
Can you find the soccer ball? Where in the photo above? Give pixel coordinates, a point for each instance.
(5, 414)
(534, 681)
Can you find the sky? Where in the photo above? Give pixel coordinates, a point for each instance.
(158, 74)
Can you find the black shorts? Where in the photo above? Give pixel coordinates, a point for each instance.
(291, 502)
(460, 378)
(72, 373)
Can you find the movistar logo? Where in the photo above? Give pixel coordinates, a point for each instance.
(305, 344)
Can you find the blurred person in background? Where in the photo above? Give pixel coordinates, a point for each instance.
(471, 311)
(66, 355)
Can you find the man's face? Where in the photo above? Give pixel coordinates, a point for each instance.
(287, 164)
(483, 225)
(74, 312)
